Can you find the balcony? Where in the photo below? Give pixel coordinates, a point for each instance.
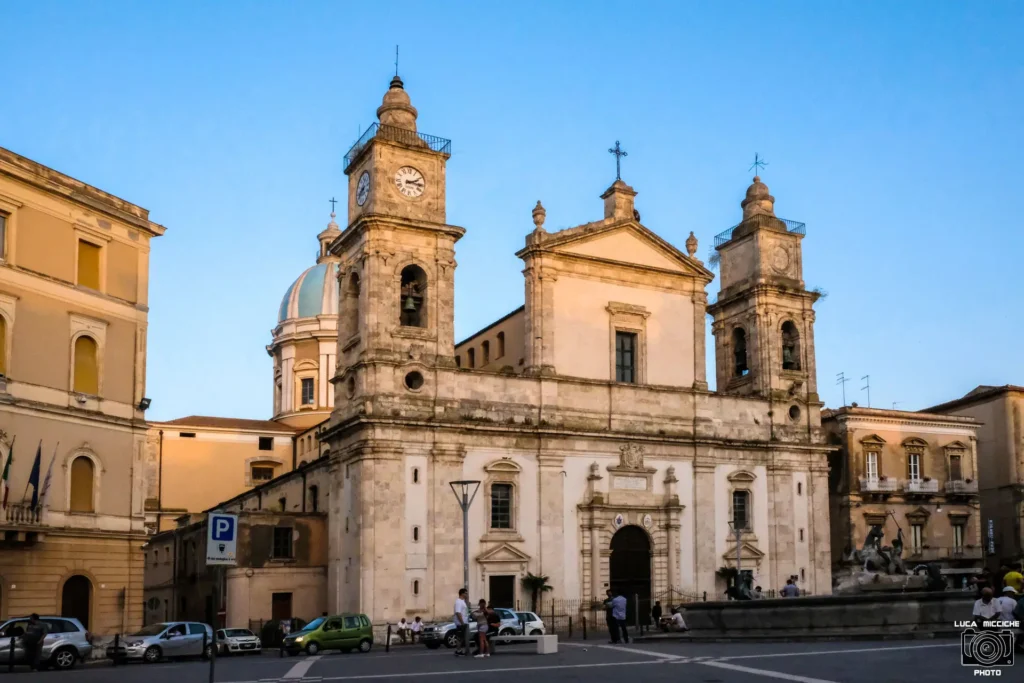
(933, 554)
(401, 135)
(872, 485)
(761, 221)
(921, 487)
(20, 524)
(22, 515)
(959, 487)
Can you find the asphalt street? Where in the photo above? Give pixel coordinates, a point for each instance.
(590, 662)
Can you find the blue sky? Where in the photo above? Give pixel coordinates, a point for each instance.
(893, 130)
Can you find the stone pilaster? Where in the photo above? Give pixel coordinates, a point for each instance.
(382, 530)
(781, 536)
(821, 556)
(444, 527)
(540, 311)
(700, 304)
(595, 561)
(705, 533)
(551, 514)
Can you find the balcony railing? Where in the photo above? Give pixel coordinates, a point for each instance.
(873, 485)
(761, 220)
(920, 486)
(400, 135)
(911, 554)
(22, 515)
(960, 486)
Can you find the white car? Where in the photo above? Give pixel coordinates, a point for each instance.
(532, 624)
(238, 641)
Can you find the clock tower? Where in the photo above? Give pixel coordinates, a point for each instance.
(764, 315)
(397, 272)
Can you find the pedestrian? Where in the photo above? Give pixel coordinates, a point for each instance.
(757, 595)
(985, 608)
(1007, 603)
(656, 613)
(619, 614)
(678, 623)
(493, 626)
(32, 640)
(1014, 579)
(613, 628)
(402, 628)
(416, 629)
(481, 629)
(461, 618)
(790, 590)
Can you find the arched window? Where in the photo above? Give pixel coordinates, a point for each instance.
(790, 346)
(485, 352)
(416, 587)
(3, 345)
(415, 475)
(87, 376)
(741, 509)
(350, 301)
(471, 354)
(416, 534)
(82, 484)
(739, 352)
(314, 498)
(413, 299)
(501, 345)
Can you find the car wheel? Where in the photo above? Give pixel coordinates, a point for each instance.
(452, 639)
(536, 632)
(152, 655)
(365, 645)
(504, 633)
(433, 646)
(208, 652)
(312, 649)
(64, 658)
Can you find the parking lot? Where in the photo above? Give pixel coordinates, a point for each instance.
(590, 661)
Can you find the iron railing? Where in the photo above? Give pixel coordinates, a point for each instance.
(401, 135)
(23, 515)
(761, 220)
(874, 485)
(933, 553)
(961, 486)
(920, 486)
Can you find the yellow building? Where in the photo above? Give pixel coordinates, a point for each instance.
(74, 280)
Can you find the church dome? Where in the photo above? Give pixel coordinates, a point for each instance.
(314, 293)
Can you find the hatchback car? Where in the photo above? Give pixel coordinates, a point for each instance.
(169, 639)
(445, 633)
(345, 632)
(66, 643)
(532, 624)
(238, 641)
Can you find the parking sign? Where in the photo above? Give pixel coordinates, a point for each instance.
(221, 536)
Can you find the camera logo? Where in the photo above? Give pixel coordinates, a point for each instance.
(986, 649)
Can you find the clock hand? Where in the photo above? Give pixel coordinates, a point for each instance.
(413, 182)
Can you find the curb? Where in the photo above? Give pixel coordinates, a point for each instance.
(796, 638)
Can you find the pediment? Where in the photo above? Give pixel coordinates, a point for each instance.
(915, 442)
(742, 476)
(956, 446)
(502, 553)
(873, 439)
(919, 514)
(505, 465)
(748, 553)
(630, 244)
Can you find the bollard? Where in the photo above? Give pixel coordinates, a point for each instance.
(570, 626)
(280, 653)
(213, 654)
(705, 596)
(584, 627)
(10, 655)
(387, 640)
(117, 643)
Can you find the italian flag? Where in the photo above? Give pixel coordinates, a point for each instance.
(6, 478)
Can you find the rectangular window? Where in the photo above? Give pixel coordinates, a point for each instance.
(266, 443)
(916, 536)
(307, 391)
(914, 466)
(956, 472)
(282, 543)
(485, 352)
(625, 357)
(501, 506)
(741, 509)
(958, 538)
(261, 473)
(501, 345)
(314, 498)
(187, 435)
(3, 236)
(88, 265)
(872, 466)
(458, 361)
(471, 355)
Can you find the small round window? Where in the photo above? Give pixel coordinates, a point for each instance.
(350, 387)
(413, 380)
(794, 413)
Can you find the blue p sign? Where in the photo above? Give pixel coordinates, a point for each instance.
(223, 529)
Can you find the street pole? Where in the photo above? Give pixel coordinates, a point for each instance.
(465, 491)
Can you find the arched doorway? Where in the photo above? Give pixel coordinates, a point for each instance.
(75, 598)
(630, 571)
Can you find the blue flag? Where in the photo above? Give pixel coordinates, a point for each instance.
(33, 479)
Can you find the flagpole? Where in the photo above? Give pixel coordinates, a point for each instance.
(39, 452)
(46, 481)
(7, 473)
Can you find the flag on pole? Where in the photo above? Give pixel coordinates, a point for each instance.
(33, 478)
(5, 480)
(49, 474)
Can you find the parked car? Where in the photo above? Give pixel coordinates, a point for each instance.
(170, 639)
(234, 641)
(532, 624)
(66, 643)
(345, 632)
(445, 633)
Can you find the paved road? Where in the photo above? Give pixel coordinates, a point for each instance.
(589, 662)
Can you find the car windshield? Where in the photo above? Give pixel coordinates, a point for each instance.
(238, 633)
(152, 630)
(313, 625)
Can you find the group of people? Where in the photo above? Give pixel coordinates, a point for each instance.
(674, 622)
(615, 616)
(1008, 605)
(407, 630)
(480, 625)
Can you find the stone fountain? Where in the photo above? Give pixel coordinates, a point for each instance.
(877, 567)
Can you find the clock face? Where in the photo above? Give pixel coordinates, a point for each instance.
(780, 259)
(363, 188)
(410, 182)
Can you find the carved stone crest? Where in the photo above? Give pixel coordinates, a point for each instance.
(631, 456)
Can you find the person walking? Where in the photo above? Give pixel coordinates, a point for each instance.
(481, 630)
(32, 641)
(656, 614)
(619, 615)
(613, 628)
(461, 618)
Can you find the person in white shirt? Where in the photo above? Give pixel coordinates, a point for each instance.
(678, 623)
(416, 629)
(403, 627)
(1007, 603)
(461, 618)
(985, 607)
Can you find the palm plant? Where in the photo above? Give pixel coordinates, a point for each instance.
(537, 585)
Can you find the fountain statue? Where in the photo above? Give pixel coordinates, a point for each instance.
(879, 567)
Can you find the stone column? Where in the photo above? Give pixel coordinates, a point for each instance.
(705, 535)
(444, 527)
(595, 559)
(821, 553)
(382, 530)
(335, 534)
(810, 360)
(672, 529)
(700, 305)
(551, 516)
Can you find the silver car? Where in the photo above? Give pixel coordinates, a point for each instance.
(238, 641)
(169, 639)
(66, 643)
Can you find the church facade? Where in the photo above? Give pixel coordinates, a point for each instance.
(603, 459)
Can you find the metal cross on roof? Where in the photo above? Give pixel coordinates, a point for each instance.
(333, 202)
(619, 153)
(396, 60)
(759, 163)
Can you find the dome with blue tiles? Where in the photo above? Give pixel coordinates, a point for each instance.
(315, 292)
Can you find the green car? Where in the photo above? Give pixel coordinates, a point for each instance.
(345, 632)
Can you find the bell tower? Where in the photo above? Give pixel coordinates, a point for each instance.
(397, 272)
(764, 315)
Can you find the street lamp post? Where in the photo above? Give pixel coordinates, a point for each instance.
(465, 491)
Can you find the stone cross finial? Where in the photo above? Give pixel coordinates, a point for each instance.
(691, 244)
(539, 214)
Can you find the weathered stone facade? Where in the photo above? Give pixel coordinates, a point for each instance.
(607, 423)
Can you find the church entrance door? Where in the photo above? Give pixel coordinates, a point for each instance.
(630, 571)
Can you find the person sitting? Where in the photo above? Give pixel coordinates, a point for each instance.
(402, 628)
(677, 621)
(416, 629)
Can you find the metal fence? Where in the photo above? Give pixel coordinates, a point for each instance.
(587, 618)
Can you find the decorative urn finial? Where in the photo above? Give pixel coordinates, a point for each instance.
(539, 214)
(691, 244)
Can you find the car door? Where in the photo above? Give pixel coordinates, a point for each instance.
(195, 641)
(334, 633)
(350, 632)
(173, 642)
(12, 629)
